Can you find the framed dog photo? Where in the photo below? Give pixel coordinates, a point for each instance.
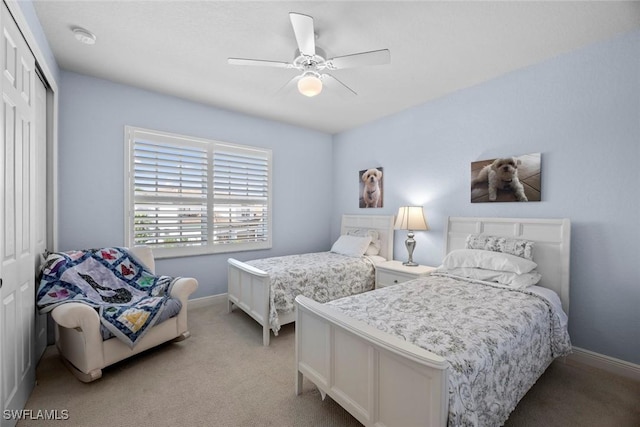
(370, 188)
(506, 179)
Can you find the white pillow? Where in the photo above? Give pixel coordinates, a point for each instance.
(513, 280)
(376, 259)
(488, 260)
(375, 245)
(373, 248)
(351, 245)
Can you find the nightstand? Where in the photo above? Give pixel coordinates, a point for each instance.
(393, 272)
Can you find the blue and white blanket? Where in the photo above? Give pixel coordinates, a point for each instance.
(128, 297)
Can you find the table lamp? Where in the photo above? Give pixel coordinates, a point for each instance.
(410, 218)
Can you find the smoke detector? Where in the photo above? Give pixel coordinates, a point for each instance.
(84, 36)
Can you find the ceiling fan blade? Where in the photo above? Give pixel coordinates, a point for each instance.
(259, 62)
(334, 84)
(375, 57)
(303, 30)
(289, 85)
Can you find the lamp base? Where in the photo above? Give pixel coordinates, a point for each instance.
(410, 264)
(410, 243)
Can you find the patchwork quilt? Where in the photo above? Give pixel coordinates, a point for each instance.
(321, 276)
(497, 341)
(128, 297)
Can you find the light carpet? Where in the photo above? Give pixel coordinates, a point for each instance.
(223, 376)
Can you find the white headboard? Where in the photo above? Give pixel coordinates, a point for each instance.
(551, 250)
(382, 223)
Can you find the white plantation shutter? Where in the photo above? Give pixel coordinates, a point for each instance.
(240, 196)
(191, 196)
(170, 191)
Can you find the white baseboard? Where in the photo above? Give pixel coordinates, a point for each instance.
(207, 301)
(606, 363)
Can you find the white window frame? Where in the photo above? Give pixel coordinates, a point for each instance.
(211, 245)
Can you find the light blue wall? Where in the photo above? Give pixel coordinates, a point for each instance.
(582, 112)
(93, 113)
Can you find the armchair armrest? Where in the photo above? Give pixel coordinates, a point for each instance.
(76, 315)
(79, 340)
(181, 290)
(183, 287)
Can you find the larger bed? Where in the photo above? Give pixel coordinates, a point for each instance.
(441, 350)
(266, 288)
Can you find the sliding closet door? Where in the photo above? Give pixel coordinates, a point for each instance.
(40, 205)
(17, 216)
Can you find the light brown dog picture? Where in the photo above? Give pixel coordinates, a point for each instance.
(371, 188)
(506, 179)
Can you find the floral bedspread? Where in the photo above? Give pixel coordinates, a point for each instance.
(497, 341)
(321, 276)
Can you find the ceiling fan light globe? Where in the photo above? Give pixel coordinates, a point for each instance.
(310, 85)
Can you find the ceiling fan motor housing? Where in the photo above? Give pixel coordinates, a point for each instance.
(307, 62)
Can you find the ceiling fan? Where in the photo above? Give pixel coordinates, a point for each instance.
(312, 62)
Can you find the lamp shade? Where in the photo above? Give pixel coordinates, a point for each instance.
(310, 85)
(411, 218)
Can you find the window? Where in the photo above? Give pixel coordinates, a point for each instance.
(189, 196)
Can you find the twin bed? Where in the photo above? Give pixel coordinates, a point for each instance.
(266, 289)
(450, 348)
(442, 349)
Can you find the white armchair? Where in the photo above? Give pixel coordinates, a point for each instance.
(80, 342)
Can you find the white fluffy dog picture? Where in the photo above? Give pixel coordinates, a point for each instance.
(370, 188)
(506, 179)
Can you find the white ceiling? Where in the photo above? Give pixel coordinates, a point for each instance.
(181, 48)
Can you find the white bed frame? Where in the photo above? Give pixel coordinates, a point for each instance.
(385, 381)
(248, 287)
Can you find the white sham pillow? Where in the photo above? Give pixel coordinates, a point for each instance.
(351, 245)
(373, 248)
(513, 280)
(376, 259)
(363, 232)
(476, 258)
(508, 245)
(375, 245)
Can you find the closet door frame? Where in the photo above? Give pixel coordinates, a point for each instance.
(22, 344)
(17, 218)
